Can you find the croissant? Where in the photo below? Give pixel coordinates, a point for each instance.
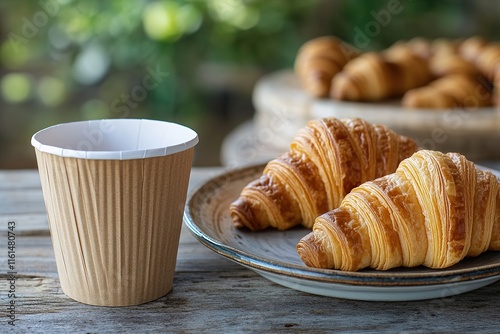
(472, 47)
(454, 90)
(426, 48)
(419, 45)
(486, 57)
(327, 158)
(434, 210)
(443, 63)
(445, 46)
(319, 60)
(378, 76)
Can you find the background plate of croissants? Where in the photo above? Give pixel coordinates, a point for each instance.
(354, 210)
(443, 93)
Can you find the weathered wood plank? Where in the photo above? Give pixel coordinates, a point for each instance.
(241, 301)
(213, 294)
(26, 224)
(21, 201)
(19, 179)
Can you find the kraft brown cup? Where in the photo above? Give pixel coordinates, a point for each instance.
(115, 192)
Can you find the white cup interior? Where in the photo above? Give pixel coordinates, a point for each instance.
(115, 139)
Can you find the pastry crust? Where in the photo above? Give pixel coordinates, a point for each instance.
(327, 158)
(434, 210)
(327, 66)
(379, 76)
(450, 91)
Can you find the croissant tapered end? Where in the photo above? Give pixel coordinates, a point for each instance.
(345, 88)
(319, 60)
(245, 214)
(311, 252)
(264, 203)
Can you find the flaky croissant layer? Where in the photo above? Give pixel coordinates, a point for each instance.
(327, 158)
(434, 210)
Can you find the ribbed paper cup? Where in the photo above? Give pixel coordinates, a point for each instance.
(115, 192)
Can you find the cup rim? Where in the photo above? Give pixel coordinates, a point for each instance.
(39, 142)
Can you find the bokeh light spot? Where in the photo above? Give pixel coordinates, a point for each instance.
(51, 91)
(190, 18)
(91, 64)
(16, 87)
(161, 20)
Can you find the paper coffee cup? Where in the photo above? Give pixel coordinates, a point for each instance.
(115, 192)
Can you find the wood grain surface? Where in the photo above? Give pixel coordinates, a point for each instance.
(210, 294)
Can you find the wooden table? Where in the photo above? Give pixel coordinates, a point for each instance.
(211, 294)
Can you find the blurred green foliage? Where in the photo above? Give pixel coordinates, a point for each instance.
(182, 60)
(72, 60)
(109, 44)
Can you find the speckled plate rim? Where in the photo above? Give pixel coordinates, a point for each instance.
(392, 278)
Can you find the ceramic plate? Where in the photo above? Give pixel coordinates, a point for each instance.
(272, 254)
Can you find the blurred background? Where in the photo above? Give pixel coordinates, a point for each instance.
(193, 62)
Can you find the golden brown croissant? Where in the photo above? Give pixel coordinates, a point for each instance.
(420, 46)
(378, 76)
(319, 60)
(433, 211)
(451, 91)
(472, 47)
(426, 48)
(327, 158)
(486, 57)
(445, 46)
(443, 64)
